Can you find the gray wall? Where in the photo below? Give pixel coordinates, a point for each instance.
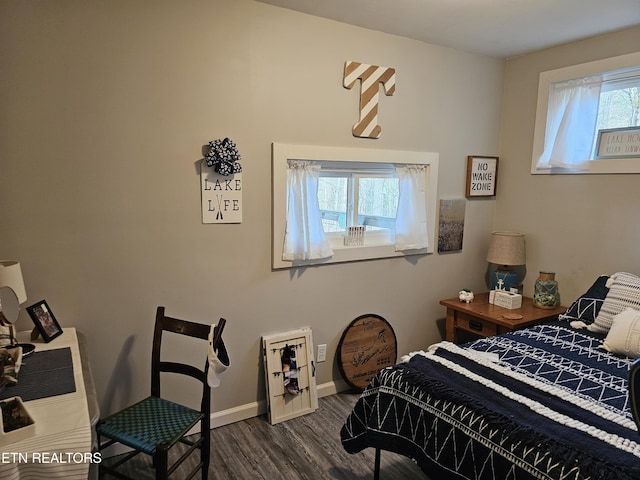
(105, 109)
(579, 226)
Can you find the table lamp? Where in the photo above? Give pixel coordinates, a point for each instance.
(12, 295)
(506, 250)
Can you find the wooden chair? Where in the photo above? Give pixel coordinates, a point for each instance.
(154, 425)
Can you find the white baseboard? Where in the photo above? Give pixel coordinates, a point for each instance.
(331, 388)
(254, 409)
(239, 413)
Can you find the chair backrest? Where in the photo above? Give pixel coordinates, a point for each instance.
(634, 391)
(181, 327)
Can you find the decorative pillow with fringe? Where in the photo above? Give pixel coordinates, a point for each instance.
(624, 291)
(585, 309)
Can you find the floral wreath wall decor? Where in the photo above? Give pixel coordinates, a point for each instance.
(221, 183)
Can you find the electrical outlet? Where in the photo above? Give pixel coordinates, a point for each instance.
(322, 353)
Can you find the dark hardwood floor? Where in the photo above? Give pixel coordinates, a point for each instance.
(306, 447)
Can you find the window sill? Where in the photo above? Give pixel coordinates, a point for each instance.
(604, 166)
(352, 254)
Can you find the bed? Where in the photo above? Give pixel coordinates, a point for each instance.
(547, 402)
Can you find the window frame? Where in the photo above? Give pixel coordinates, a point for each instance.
(282, 153)
(596, 166)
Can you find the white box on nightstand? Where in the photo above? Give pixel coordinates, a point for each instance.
(507, 299)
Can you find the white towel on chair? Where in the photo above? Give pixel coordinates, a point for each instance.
(218, 361)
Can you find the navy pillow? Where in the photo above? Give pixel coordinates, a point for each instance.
(587, 306)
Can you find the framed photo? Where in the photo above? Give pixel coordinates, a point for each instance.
(618, 143)
(44, 320)
(482, 176)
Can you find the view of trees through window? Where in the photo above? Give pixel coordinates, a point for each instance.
(375, 199)
(332, 198)
(619, 108)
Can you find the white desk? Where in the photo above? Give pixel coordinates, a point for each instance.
(62, 439)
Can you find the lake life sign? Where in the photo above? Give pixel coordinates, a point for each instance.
(221, 196)
(482, 176)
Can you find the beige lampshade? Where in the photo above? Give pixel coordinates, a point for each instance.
(506, 248)
(11, 276)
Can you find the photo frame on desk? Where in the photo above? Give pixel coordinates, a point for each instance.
(46, 324)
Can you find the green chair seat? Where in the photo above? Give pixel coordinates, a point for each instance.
(149, 423)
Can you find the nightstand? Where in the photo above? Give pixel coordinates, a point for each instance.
(483, 319)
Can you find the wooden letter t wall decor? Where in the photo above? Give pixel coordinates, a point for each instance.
(370, 76)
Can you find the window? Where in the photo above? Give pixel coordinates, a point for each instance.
(575, 104)
(620, 101)
(350, 195)
(354, 188)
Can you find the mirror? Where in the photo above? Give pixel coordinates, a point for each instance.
(9, 304)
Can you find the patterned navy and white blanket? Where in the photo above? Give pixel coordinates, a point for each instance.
(540, 403)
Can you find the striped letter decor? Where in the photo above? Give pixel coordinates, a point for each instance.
(370, 76)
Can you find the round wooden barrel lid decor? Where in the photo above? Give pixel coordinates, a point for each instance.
(367, 346)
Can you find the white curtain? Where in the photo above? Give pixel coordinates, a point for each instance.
(411, 217)
(571, 123)
(304, 236)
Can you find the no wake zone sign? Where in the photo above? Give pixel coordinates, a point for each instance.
(482, 176)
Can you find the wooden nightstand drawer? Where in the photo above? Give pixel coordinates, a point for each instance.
(475, 325)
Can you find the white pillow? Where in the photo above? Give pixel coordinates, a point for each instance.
(624, 336)
(624, 291)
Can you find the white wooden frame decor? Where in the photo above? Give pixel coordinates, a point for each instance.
(283, 405)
